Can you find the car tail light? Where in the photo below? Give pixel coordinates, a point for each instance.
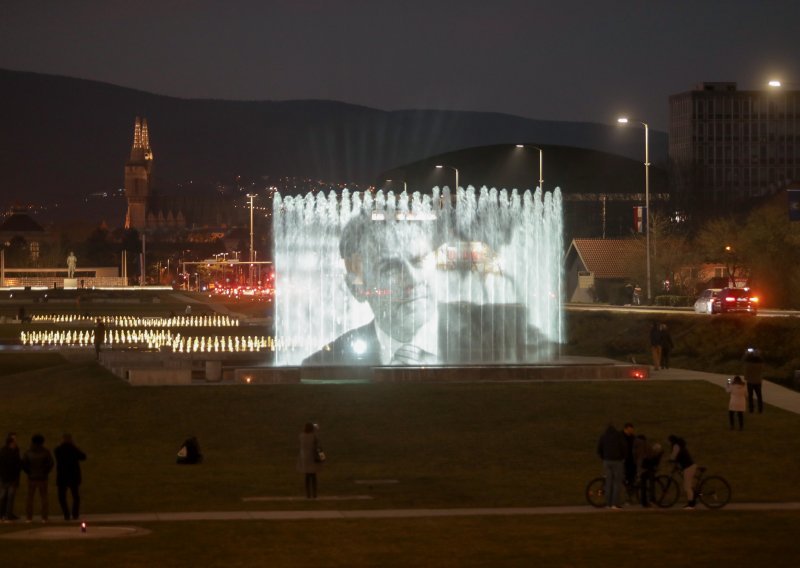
(754, 300)
(730, 299)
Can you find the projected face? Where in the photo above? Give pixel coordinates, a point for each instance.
(394, 273)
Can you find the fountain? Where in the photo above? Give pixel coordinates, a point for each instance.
(490, 260)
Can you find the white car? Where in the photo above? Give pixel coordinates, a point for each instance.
(705, 302)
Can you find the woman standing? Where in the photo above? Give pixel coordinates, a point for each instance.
(308, 461)
(738, 391)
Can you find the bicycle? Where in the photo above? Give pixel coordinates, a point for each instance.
(595, 491)
(713, 491)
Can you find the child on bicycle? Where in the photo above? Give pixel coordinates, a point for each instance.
(648, 466)
(680, 455)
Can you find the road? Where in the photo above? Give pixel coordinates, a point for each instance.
(668, 310)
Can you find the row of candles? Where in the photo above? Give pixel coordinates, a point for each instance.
(152, 339)
(215, 320)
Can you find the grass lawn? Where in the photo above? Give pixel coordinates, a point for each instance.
(457, 445)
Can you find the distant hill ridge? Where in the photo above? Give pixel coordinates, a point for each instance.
(63, 138)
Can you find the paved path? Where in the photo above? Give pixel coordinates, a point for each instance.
(405, 513)
(775, 395)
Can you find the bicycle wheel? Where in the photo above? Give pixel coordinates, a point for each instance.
(667, 491)
(596, 492)
(714, 492)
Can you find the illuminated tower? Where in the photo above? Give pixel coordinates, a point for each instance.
(138, 172)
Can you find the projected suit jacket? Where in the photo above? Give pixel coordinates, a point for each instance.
(359, 346)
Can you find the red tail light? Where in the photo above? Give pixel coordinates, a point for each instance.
(754, 300)
(730, 299)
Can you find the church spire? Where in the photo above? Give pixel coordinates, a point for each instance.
(141, 141)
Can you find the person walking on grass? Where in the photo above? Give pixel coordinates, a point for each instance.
(753, 373)
(309, 462)
(655, 345)
(68, 476)
(612, 450)
(10, 468)
(680, 455)
(737, 390)
(37, 463)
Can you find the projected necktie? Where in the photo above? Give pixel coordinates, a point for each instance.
(409, 354)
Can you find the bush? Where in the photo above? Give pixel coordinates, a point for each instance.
(674, 301)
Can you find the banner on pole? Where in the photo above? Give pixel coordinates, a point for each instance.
(794, 204)
(640, 219)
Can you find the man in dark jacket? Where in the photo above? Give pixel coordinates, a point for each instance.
(612, 449)
(37, 463)
(68, 475)
(10, 467)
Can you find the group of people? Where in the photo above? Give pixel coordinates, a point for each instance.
(661, 345)
(630, 459)
(37, 463)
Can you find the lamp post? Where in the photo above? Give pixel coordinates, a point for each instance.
(541, 180)
(251, 196)
(625, 120)
(440, 166)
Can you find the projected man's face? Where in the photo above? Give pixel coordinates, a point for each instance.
(396, 272)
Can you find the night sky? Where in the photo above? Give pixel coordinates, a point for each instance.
(560, 60)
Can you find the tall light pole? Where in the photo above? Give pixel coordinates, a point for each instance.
(625, 120)
(440, 166)
(541, 180)
(251, 196)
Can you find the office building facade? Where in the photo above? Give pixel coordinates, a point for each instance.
(727, 147)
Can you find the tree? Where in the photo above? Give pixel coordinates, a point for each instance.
(770, 245)
(720, 241)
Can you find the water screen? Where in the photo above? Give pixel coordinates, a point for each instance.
(418, 279)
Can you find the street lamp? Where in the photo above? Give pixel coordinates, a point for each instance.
(440, 166)
(541, 181)
(251, 196)
(625, 120)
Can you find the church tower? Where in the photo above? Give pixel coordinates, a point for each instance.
(138, 176)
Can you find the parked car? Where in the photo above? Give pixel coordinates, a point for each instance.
(727, 300)
(705, 301)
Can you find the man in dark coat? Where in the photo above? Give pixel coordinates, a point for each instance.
(10, 468)
(612, 449)
(68, 476)
(37, 463)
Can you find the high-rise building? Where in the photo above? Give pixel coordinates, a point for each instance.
(727, 146)
(138, 177)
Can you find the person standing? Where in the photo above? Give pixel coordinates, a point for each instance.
(753, 376)
(37, 463)
(655, 345)
(666, 345)
(68, 476)
(99, 337)
(681, 456)
(612, 449)
(629, 435)
(308, 462)
(737, 390)
(10, 468)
